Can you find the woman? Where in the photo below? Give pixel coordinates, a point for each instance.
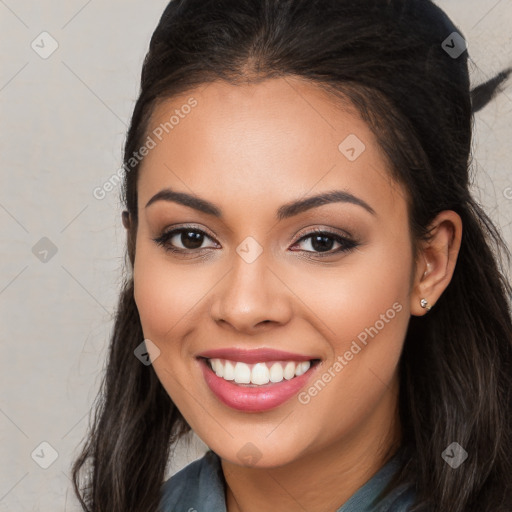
(314, 291)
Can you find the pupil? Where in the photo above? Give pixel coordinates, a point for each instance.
(194, 241)
(322, 243)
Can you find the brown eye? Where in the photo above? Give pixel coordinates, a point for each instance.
(191, 239)
(182, 240)
(321, 242)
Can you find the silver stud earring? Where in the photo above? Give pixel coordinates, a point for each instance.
(425, 305)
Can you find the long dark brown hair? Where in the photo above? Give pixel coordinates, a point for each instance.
(387, 57)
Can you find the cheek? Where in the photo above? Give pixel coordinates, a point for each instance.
(380, 308)
(346, 299)
(165, 295)
(364, 315)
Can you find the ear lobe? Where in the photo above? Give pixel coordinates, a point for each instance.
(436, 261)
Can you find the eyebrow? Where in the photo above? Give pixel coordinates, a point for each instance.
(284, 212)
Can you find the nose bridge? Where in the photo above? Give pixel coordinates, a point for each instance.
(250, 294)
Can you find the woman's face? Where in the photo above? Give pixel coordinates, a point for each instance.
(326, 280)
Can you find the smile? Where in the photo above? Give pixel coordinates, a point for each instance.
(258, 386)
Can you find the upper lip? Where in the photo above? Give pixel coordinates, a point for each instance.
(254, 356)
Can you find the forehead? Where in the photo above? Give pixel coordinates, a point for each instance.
(276, 139)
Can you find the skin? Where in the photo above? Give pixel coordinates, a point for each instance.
(250, 149)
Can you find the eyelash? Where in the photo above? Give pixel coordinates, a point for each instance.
(346, 244)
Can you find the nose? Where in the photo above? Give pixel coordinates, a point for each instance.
(251, 297)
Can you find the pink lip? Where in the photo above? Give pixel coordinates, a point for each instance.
(254, 399)
(259, 355)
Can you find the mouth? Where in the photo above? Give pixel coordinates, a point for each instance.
(257, 386)
(260, 373)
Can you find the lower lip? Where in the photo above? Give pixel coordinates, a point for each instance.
(253, 399)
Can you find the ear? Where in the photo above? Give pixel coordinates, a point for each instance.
(126, 219)
(130, 235)
(436, 259)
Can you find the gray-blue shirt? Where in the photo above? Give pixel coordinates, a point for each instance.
(200, 487)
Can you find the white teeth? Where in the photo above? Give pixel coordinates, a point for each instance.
(276, 373)
(259, 373)
(289, 371)
(242, 373)
(229, 370)
(218, 368)
(302, 368)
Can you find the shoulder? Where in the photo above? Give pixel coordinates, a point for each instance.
(380, 494)
(400, 500)
(199, 483)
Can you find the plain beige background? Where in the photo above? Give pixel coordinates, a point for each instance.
(64, 119)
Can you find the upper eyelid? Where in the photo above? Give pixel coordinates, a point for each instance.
(178, 229)
(330, 231)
